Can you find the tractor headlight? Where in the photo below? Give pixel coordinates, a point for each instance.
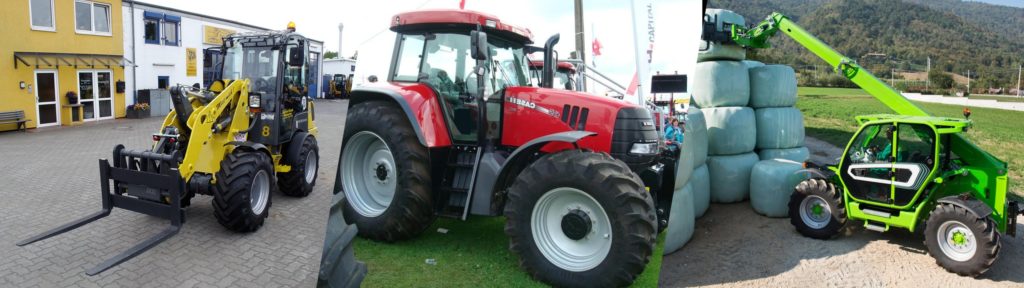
(644, 148)
(254, 100)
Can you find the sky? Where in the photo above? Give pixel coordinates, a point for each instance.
(366, 23)
(1011, 3)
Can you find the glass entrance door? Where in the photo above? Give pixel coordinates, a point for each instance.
(47, 106)
(95, 95)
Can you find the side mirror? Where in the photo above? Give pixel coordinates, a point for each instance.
(296, 56)
(478, 42)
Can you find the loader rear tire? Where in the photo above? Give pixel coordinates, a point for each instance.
(300, 180)
(580, 219)
(960, 241)
(241, 197)
(385, 174)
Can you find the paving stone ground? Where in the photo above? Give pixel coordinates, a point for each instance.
(49, 176)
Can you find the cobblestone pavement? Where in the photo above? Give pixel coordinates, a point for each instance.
(50, 176)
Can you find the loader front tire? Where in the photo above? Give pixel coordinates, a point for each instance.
(305, 164)
(385, 174)
(580, 219)
(816, 209)
(241, 197)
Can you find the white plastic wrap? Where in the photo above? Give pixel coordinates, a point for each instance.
(731, 130)
(721, 84)
(772, 86)
(730, 176)
(771, 184)
(779, 128)
(701, 182)
(680, 220)
(694, 150)
(799, 154)
(752, 64)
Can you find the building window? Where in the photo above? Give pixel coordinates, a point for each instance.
(41, 14)
(92, 18)
(163, 82)
(152, 30)
(170, 30)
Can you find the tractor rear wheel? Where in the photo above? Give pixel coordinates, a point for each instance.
(960, 241)
(385, 174)
(241, 197)
(816, 209)
(580, 219)
(300, 180)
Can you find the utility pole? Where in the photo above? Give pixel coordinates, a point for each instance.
(1018, 80)
(927, 80)
(968, 81)
(580, 40)
(892, 78)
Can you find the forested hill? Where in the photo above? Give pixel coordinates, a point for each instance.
(956, 35)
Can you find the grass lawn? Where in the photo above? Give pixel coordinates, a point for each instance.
(474, 253)
(829, 116)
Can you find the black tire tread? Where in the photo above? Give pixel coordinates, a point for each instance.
(827, 191)
(293, 183)
(231, 193)
(988, 240)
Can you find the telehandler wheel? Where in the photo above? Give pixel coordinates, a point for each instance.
(385, 174)
(580, 219)
(241, 197)
(816, 209)
(960, 241)
(300, 180)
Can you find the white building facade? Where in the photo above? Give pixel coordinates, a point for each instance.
(167, 46)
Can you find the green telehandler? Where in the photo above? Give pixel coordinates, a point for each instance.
(909, 170)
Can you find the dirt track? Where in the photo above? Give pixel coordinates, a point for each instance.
(734, 247)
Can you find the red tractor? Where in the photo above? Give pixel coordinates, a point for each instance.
(458, 129)
(565, 74)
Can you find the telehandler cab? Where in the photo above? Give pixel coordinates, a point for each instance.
(898, 171)
(458, 129)
(248, 135)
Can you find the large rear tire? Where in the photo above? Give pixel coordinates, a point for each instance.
(960, 241)
(580, 219)
(241, 197)
(816, 209)
(385, 174)
(300, 180)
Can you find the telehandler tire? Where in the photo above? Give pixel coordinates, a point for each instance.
(305, 164)
(580, 219)
(385, 174)
(241, 197)
(816, 209)
(960, 241)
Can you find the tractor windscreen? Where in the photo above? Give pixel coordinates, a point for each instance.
(259, 64)
(443, 60)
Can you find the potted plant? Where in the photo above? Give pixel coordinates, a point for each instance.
(72, 97)
(138, 111)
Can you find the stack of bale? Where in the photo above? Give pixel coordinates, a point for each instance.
(780, 138)
(692, 195)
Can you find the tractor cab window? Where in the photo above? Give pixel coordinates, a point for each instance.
(873, 145)
(914, 161)
(256, 63)
(295, 86)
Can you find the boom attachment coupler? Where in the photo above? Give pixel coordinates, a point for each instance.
(144, 182)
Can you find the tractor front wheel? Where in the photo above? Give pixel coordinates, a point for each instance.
(960, 241)
(580, 219)
(241, 197)
(300, 180)
(816, 209)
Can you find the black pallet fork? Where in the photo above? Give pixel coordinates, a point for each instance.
(154, 188)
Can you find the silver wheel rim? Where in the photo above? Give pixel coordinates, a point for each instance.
(259, 192)
(815, 212)
(369, 176)
(572, 255)
(311, 166)
(961, 250)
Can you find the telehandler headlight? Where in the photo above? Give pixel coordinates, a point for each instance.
(644, 148)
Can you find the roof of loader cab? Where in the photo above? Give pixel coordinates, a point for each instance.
(463, 19)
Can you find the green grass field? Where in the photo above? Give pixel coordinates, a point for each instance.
(474, 253)
(829, 115)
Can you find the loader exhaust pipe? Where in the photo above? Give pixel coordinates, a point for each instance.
(548, 72)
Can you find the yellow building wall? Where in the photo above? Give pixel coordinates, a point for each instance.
(19, 37)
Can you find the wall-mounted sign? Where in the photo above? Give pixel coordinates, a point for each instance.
(214, 36)
(190, 62)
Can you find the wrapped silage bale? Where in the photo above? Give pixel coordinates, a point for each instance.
(752, 64)
(721, 84)
(718, 51)
(731, 130)
(730, 176)
(779, 128)
(799, 154)
(771, 184)
(701, 182)
(694, 150)
(680, 220)
(772, 86)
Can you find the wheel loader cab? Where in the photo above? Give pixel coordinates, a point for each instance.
(887, 163)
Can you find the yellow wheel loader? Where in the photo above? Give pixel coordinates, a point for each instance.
(245, 137)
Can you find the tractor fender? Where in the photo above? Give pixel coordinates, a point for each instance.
(522, 157)
(363, 94)
(815, 173)
(250, 146)
(976, 207)
(295, 145)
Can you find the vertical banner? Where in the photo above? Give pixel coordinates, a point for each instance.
(190, 62)
(643, 44)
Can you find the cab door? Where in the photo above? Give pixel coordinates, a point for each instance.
(867, 170)
(915, 159)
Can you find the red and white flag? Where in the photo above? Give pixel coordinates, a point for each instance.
(596, 46)
(462, 4)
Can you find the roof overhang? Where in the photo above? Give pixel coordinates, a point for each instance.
(56, 60)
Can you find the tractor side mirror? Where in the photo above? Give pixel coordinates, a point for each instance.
(296, 57)
(478, 41)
